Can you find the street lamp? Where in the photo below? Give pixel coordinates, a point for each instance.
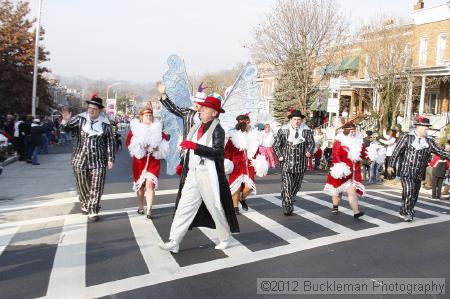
(107, 88)
(36, 61)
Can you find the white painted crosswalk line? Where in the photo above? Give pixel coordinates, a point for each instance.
(422, 202)
(344, 210)
(5, 237)
(311, 216)
(381, 209)
(147, 237)
(236, 249)
(274, 227)
(397, 203)
(69, 265)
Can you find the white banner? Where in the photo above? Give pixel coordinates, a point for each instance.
(333, 105)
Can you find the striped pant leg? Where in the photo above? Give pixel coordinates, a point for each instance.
(411, 188)
(97, 183)
(83, 186)
(290, 185)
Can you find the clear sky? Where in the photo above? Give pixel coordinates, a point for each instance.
(131, 39)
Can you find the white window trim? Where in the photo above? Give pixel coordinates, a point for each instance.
(423, 58)
(441, 47)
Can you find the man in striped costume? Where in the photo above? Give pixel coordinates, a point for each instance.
(293, 146)
(413, 151)
(93, 153)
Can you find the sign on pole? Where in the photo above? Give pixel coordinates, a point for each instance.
(333, 105)
(111, 108)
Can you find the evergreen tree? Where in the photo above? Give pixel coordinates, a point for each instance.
(17, 42)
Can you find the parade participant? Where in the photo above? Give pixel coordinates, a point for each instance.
(204, 197)
(147, 145)
(93, 153)
(377, 154)
(390, 142)
(265, 148)
(293, 146)
(413, 152)
(440, 168)
(345, 172)
(187, 114)
(240, 156)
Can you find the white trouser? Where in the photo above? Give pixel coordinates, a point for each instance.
(199, 184)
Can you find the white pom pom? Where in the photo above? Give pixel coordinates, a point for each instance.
(261, 165)
(163, 150)
(340, 170)
(229, 166)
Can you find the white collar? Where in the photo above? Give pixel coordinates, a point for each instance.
(423, 142)
(94, 129)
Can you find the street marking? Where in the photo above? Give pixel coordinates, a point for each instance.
(67, 279)
(313, 217)
(444, 207)
(274, 227)
(381, 209)
(11, 206)
(6, 236)
(344, 210)
(147, 237)
(397, 203)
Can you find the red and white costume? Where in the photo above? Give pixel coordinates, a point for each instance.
(146, 163)
(346, 165)
(241, 160)
(265, 148)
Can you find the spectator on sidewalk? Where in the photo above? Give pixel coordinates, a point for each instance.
(328, 154)
(19, 139)
(439, 169)
(390, 142)
(36, 140)
(377, 154)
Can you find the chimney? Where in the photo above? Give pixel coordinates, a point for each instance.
(419, 5)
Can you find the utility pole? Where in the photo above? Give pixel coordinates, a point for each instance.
(36, 60)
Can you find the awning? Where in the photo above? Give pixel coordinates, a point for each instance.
(351, 63)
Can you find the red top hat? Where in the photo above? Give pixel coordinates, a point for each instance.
(213, 103)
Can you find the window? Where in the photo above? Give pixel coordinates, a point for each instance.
(442, 39)
(366, 66)
(423, 51)
(407, 55)
(433, 104)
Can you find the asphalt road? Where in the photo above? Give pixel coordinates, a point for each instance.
(53, 251)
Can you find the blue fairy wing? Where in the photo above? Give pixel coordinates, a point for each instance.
(242, 98)
(178, 91)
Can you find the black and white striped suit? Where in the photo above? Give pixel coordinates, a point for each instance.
(91, 155)
(413, 163)
(294, 161)
(187, 114)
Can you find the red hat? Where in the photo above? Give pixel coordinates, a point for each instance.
(212, 102)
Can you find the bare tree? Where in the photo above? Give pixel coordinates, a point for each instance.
(299, 36)
(386, 48)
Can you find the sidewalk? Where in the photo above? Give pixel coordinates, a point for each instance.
(52, 179)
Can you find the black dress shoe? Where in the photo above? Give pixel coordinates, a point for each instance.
(149, 216)
(140, 211)
(236, 210)
(244, 205)
(357, 215)
(287, 211)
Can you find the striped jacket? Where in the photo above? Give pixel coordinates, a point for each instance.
(187, 114)
(414, 161)
(294, 159)
(90, 152)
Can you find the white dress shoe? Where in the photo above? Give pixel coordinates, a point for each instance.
(224, 244)
(171, 246)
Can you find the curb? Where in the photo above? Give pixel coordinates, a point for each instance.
(10, 160)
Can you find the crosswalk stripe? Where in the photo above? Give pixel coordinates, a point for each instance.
(381, 209)
(274, 227)
(422, 202)
(236, 248)
(313, 217)
(397, 203)
(5, 237)
(344, 210)
(147, 237)
(69, 265)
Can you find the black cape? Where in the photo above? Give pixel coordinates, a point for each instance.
(216, 153)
